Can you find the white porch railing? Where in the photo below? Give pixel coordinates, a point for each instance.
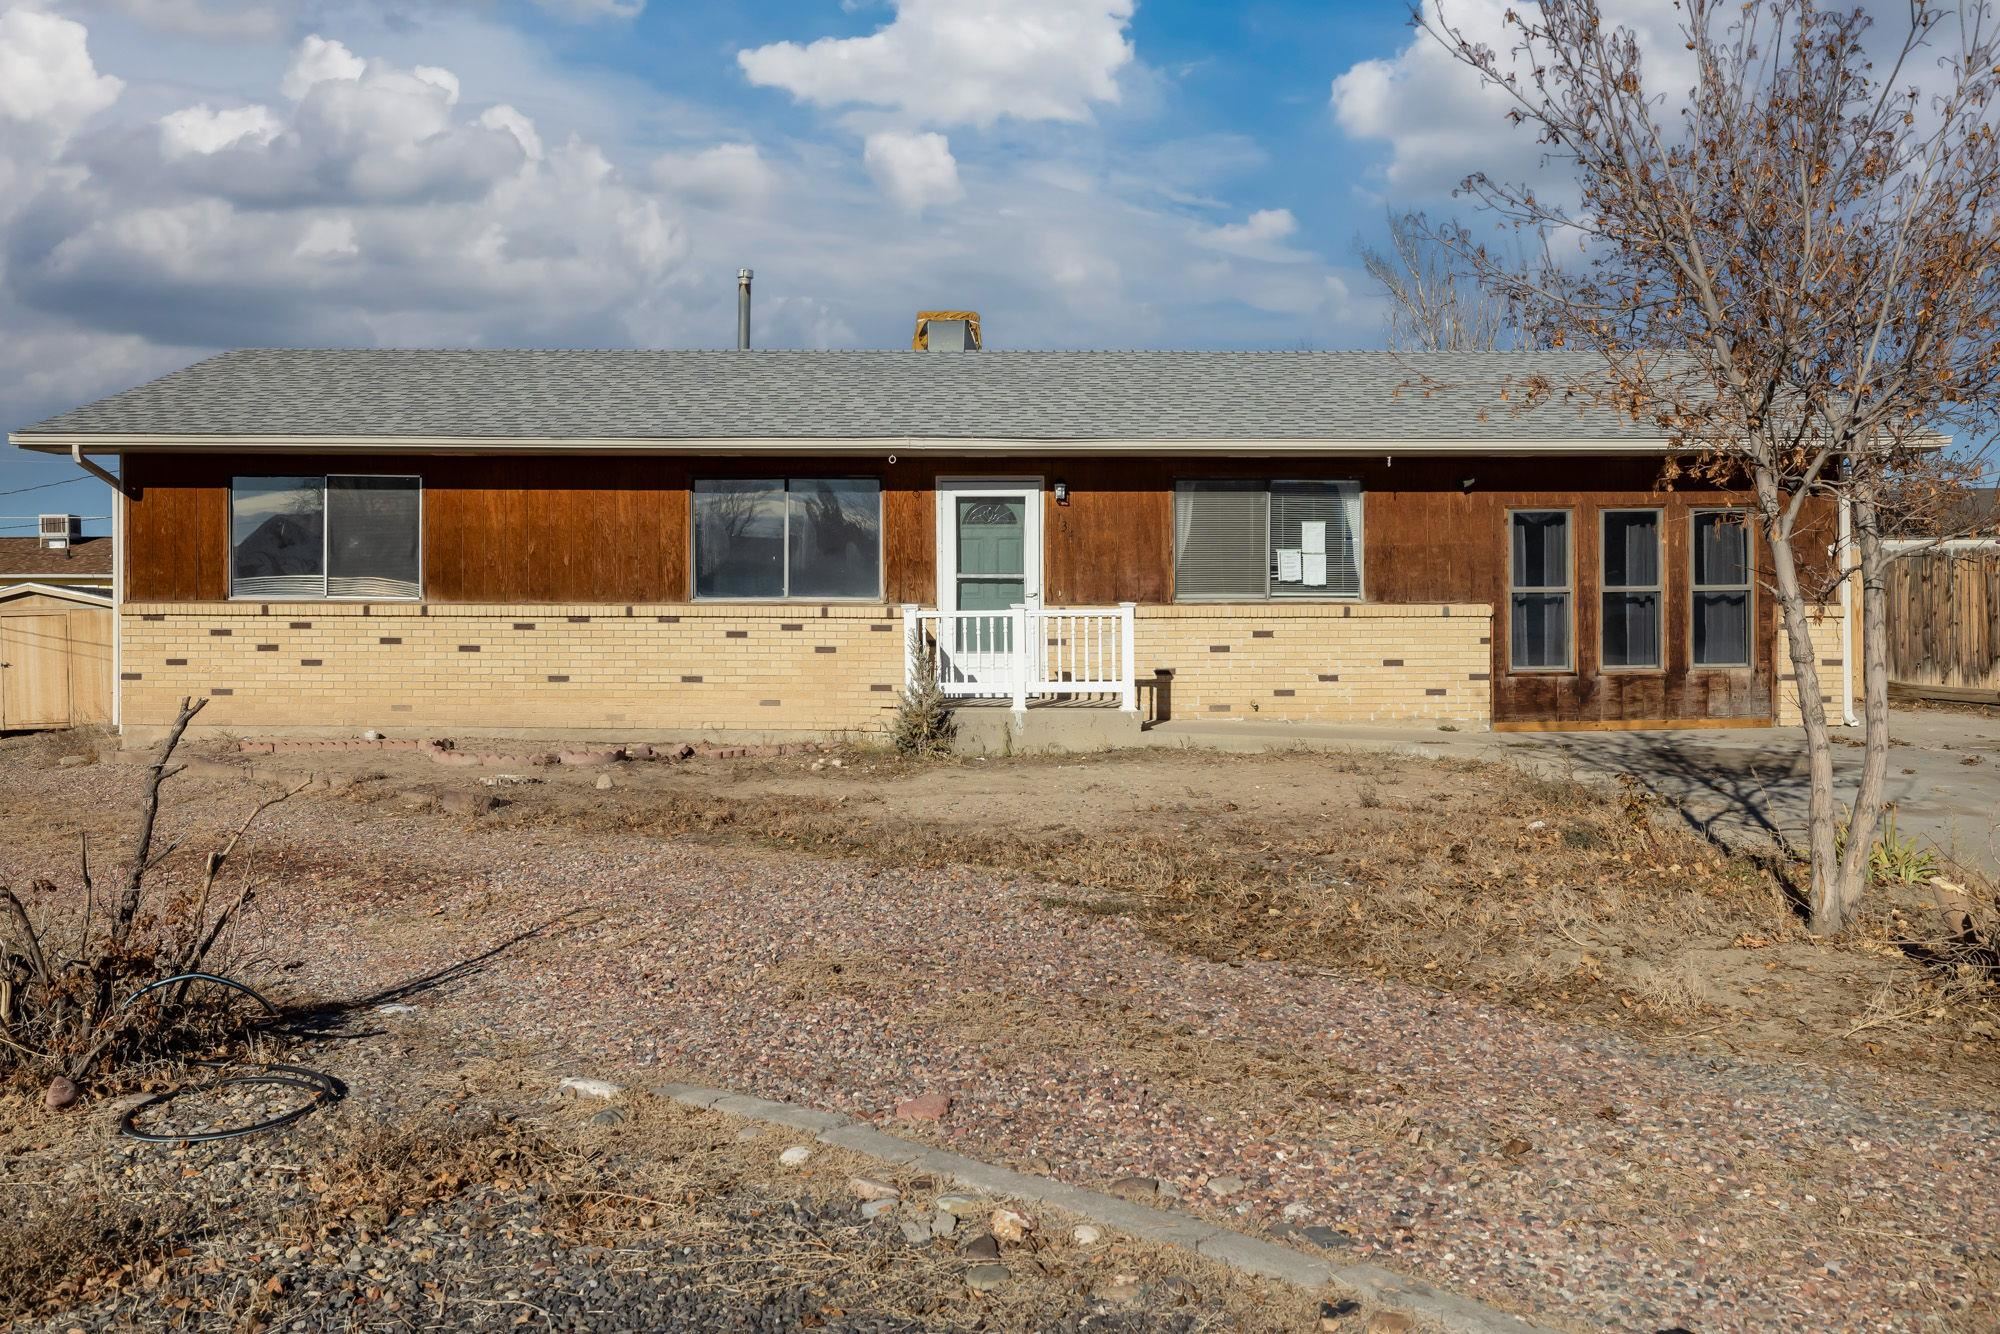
(1027, 652)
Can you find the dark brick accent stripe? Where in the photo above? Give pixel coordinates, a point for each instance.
(177, 662)
(1329, 676)
(736, 634)
(792, 625)
(468, 648)
(668, 620)
(690, 680)
(1435, 690)
(881, 689)
(131, 676)
(1263, 634)
(152, 616)
(769, 703)
(1479, 676)
(312, 662)
(1218, 648)
(267, 648)
(1485, 639)
(880, 628)
(220, 634)
(524, 625)
(1218, 708)
(298, 625)
(1392, 662)
(577, 620)
(1284, 694)
(399, 708)
(825, 648)
(558, 679)
(221, 690)
(1829, 662)
(390, 639)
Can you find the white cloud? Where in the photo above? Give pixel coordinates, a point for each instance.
(1442, 125)
(504, 117)
(1261, 230)
(963, 62)
(328, 238)
(241, 20)
(46, 75)
(320, 60)
(202, 129)
(915, 170)
(587, 10)
(731, 174)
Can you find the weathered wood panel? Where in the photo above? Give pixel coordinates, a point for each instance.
(1944, 621)
(34, 671)
(89, 636)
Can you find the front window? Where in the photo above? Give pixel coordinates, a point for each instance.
(1540, 612)
(1631, 588)
(1721, 598)
(1240, 540)
(351, 537)
(812, 537)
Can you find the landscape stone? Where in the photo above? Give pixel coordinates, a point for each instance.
(960, 1206)
(62, 1092)
(1225, 1185)
(1139, 1190)
(603, 783)
(924, 1107)
(577, 1086)
(866, 1189)
(71, 761)
(944, 1225)
(874, 1209)
(1087, 1234)
(985, 1278)
(1118, 1290)
(916, 1231)
(981, 1247)
(1391, 1322)
(1010, 1226)
(796, 1156)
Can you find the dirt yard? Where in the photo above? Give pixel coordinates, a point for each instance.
(1523, 1040)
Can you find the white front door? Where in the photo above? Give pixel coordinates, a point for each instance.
(989, 561)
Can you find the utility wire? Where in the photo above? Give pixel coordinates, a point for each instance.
(43, 486)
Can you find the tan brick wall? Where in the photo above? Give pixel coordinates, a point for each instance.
(1322, 662)
(1827, 648)
(677, 670)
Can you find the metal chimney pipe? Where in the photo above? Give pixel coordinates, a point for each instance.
(743, 310)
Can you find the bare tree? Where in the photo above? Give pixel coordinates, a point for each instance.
(1789, 266)
(1435, 303)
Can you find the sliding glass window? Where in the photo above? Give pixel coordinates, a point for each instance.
(1631, 589)
(342, 537)
(1539, 572)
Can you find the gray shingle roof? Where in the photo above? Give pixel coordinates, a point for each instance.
(1360, 396)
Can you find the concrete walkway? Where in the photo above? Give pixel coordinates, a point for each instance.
(1740, 784)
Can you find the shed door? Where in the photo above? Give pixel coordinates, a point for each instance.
(34, 671)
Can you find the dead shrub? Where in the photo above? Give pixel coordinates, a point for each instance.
(60, 1249)
(69, 980)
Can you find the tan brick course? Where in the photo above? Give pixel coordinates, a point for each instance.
(1322, 662)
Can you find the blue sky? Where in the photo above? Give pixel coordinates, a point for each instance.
(178, 176)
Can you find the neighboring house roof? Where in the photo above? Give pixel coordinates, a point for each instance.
(26, 558)
(29, 588)
(384, 399)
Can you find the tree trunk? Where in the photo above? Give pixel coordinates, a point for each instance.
(1866, 815)
(1824, 902)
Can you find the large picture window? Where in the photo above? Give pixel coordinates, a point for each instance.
(811, 537)
(351, 537)
(1540, 609)
(1630, 627)
(1721, 595)
(1239, 540)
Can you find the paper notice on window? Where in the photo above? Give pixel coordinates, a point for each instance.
(1315, 569)
(1291, 565)
(1312, 539)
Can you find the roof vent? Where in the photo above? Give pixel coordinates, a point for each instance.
(59, 530)
(947, 331)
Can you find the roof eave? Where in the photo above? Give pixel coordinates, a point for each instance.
(65, 443)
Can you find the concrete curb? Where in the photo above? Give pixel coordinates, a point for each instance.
(1236, 1250)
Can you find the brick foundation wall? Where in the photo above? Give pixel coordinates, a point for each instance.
(678, 670)
(1825, 625)
(1358, 662)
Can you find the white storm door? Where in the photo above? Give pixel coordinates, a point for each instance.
(989, 561)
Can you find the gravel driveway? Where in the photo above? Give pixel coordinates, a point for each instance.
(1581, 1178)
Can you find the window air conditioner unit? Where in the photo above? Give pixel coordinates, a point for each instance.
(59, 530)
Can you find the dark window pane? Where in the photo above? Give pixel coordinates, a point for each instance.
(1632, 549)
(1221, 540)
(1721, 549)
(739, 539)
(1541, 549)
(836, 538)
(1722, 629)
(1631, 629)
(372, 537)
(277, 537)
(1540, 630)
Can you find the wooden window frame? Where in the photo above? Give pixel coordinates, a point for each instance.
(785, 481)
(1747, 588)
(1568, 590)
(1265, 484)
(325, 538)
(1658, 590)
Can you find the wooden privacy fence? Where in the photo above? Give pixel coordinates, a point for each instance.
(1944, 625)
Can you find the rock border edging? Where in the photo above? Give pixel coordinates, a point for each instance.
(1239, 1251)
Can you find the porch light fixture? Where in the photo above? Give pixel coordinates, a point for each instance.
(1062, 493)
(1467, 483)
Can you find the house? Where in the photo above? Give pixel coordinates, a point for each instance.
(61, 557)
(630, 543)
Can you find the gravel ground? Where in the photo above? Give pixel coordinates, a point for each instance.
(1582, 1178)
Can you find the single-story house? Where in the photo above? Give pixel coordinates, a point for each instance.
(638, 543)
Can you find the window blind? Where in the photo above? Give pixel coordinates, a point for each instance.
(1221, 535)
(1315, 539)
(372, 525)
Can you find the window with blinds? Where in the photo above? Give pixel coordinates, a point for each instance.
(1242, 540)
(326, 537)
